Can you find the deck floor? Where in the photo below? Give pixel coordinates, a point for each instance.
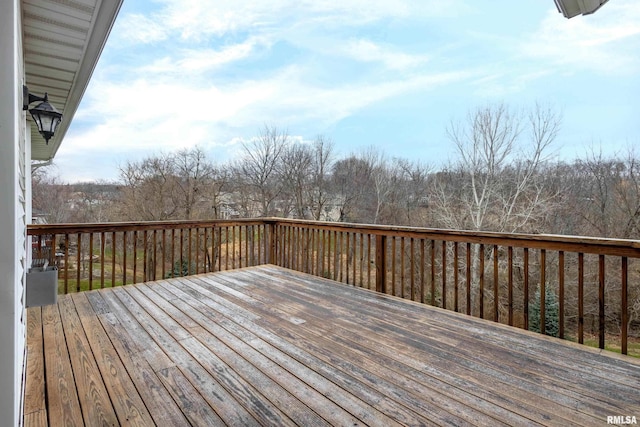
(270, 346)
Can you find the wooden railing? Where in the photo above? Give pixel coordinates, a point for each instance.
(571, 287)
(91, 256)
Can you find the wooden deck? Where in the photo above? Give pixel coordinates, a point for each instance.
(270, 346)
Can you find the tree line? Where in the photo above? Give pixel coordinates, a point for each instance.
(503, 177)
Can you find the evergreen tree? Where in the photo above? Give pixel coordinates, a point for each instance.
(551, 313)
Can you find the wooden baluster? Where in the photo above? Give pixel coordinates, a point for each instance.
(288, 247)
(90, 261)
(284, 245)
(468, 280)
(561, 294)
(236, 247)
(481, 256)
(456, 276)
(369, 261)
(78, 260)
(227, 242)
(393, 265)
(322, 242)
(526, 288)
(318, 248)
(624, 305)
(255, 245)
(261, 245)
(496, 293)
(311, 252)
(412, 278)
(155, 254)
(337, 254)
(135, 256)
(113, 258)
(181, 251)
(173, 250)
(402, 266)
(510, 283)
(206, 262)
(247, 240)
(124, 258)
(164, 252)
(381, 263)
(348, 250)
(581, 298)
(302, 246)
(361, 236)
(303, 249)
(355, 258)
(433, 272)
(291, 247)
(423, 242)
(102, 250)
(601, 318)
(197, 269)
(145, 248)
(66, 263)
(543, 289)
(298, 247)
(444, 274)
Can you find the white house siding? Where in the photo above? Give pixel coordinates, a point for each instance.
(13, 200)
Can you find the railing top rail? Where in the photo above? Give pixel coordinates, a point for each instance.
(592, 245)
(40, 229)
(595, 245)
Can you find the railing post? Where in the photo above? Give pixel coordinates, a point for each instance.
(271, 256)
(381, 263)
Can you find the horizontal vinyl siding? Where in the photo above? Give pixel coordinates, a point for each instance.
(14, 171)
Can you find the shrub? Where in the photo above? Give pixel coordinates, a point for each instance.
(180, 269)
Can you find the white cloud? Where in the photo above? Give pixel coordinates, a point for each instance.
(197, 19)
(136, 28)
(606, 42)
(202, 60)
(368, 51)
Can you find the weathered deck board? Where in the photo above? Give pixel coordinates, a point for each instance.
(270, 346)
(518, 369)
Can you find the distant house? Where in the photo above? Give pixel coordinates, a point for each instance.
(50, 47)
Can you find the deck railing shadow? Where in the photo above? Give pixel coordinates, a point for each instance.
(570, 287)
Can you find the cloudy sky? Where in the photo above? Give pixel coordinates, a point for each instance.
(389, 73)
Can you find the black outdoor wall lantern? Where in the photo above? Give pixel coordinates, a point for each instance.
(45, 115)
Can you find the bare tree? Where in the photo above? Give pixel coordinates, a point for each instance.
(147, 190)
(297, 161)
(320, 194)
(352, 185)
(498, 172)
(93, 201)
(194, 176)
(261, 166)
(408, 197)
(628, 194)
(50, 196)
